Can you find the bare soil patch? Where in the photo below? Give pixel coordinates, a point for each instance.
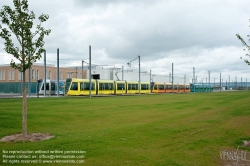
(33, 137)
(246, 143)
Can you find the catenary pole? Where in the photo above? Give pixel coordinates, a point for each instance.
(209, 80)
(82, 69)
(57, 72)
(241, 82)
(220, 82)
(150, 81)
(193, 75)
(76, 72)
(139, 74)
(184, 78)
(236, 83)
(90, 72)
(29, 80)
(172, 77)
(44, 84)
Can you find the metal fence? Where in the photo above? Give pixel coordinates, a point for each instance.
(15, 87)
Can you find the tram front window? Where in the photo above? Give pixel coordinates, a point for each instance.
(67, 85)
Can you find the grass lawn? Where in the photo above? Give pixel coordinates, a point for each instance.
(164, 129)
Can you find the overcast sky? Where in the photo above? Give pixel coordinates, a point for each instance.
(188, 33)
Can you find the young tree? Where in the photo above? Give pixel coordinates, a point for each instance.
(246, 45)
(19, 23)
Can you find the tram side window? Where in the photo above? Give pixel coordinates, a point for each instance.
(181, 87)
(101, 86)
(53, 86)
(175, 87)
(86, 86)
(74, 86)
(120, 86)
(129, 86)
(187, 87)
(111, 86)
(136, 87)
(161, 87)
(169, 86)
(144, 87)
(106, 86)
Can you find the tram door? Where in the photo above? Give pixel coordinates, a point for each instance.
(53, 88)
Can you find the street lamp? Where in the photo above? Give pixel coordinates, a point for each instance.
(129, 64)
(83, 67)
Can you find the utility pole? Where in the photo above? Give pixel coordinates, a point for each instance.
(29, 80)
(90, 88)
(193, 75)
(184, 78)
(220, 82)
(209, 80)
(172, 77)
(236, 82)
(44, 84)
(139, 74)
(57, 72)
(150, 81)
(82, 69)
(241, 83)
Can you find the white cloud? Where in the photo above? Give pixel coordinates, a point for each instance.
(188, 33)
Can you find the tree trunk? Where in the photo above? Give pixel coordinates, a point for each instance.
(24, 112)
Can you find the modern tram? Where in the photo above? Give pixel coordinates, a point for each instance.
(162, 87)
(77, 87)
(51, 87)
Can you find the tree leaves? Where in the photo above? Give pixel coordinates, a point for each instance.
(19, 22)
(246, 45)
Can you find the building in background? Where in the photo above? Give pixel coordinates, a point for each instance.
(11, 79)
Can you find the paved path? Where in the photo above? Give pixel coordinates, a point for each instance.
(15, 95)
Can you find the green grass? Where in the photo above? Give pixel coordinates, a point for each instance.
(169, 129)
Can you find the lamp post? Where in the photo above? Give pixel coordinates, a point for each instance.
(76, 72)
(236, 82)
(21, 75)
(57, 73)
(89, 71)
(220, 82)
(193, 81)
(83, 68)
(209, 80)
(29, 88)
(172, 77)
(45, 72)
(129, 63)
